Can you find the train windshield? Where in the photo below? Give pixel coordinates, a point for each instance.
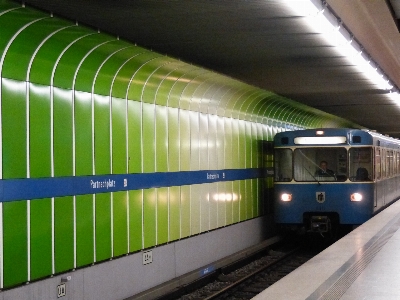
(360, 164)
(312, 164)
(325, 164)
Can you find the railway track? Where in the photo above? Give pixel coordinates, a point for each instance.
(248, 279)
(252, 279)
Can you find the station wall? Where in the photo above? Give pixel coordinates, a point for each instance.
(108, 148)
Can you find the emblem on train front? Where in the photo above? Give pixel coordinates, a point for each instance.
(320, 197)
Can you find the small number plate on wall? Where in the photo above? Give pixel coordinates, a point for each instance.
(61, 290)
(147, 257)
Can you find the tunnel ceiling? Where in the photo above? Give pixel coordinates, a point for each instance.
(264, 44)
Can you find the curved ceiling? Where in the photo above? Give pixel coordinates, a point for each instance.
(262, 43)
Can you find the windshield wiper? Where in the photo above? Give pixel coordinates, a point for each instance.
(308, 171)
(315, 178)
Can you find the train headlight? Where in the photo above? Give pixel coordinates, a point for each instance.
(356, 197)
(286, 197)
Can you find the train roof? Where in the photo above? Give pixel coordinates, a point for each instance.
(334, 137)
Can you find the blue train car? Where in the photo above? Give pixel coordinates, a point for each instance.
(330, 177)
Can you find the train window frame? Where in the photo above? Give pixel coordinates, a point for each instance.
(389, 158)
(377, 163)
(283, 162)
(383, 163)
(361, 161)
(306, 164)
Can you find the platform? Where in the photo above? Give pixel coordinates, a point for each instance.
(365, 264)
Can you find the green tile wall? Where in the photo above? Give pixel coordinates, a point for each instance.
(185, 211)
(102, 135)
(83, 134)
(15, 246)
(213, 200)
(174, 212)
(14, 130)
(84, 230)
(173, 139)
(39, 131)
(119, 137)
(135, 220)
(63, 113)
(40, 238)
(103, 226)
(162, 215)
(196, 191)
(161, 138)
(120, 223)
(63, 234)
(148, 138)
(149, 217)
(135, 137)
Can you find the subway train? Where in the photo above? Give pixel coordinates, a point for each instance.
(326, 178)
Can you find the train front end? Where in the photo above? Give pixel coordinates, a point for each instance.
(323, 179)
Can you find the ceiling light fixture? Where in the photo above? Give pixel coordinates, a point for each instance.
(323, 21)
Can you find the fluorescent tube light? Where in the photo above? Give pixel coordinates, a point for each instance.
(322, 21)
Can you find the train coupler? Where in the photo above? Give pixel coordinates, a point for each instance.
(320, 224)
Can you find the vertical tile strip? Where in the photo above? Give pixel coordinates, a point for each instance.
(1, 247)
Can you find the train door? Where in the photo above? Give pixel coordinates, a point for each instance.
(378, 176)
(383, 184)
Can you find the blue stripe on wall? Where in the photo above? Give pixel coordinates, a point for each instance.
(36, 188)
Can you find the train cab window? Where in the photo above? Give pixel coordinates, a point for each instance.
(320, 164)
(283, 165)
(360, 164)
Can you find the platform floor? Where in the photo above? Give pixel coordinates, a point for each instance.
(365, 264)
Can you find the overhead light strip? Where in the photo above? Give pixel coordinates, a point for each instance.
(323, 21)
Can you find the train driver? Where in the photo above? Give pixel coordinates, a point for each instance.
(323, 170)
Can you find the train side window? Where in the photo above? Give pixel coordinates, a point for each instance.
(360, 164)
(378, 163)
(389, 159)
(283, 165)
(383, 164)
